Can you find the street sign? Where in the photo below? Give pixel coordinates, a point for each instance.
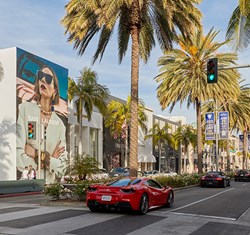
(209, 132)
(241, 142)
(223, 125)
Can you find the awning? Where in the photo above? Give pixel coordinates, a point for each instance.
(144, 155)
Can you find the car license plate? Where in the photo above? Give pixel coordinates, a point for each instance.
(210, 182)
(106, 198)
(241, 174)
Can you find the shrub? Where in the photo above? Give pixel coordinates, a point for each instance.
(81, 188)
(55, 191)
(178, 180)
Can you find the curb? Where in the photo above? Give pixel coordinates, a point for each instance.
(20, 194)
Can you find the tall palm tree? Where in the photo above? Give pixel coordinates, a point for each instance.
(159, 135)
(117, 119)
(89, 94)
(186, 135)
(138, 20)
(183, 77)
(238, 28)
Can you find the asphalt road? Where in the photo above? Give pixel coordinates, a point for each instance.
(205, 211)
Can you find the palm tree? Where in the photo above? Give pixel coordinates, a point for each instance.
(238, 28)
(186, 135)
(117, 119)
(240, 111)
(89, 94)
(183, 77)
(159, 136)
(140, 20)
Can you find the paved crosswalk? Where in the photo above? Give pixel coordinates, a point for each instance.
(35, 220)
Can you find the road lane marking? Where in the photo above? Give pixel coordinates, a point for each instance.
(205, 216)
(204, 199)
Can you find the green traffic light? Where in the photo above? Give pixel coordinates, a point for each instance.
(211, 77)
(31, 135)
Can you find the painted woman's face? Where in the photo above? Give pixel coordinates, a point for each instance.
(46, 83)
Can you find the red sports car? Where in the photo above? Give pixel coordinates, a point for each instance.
(137, 194)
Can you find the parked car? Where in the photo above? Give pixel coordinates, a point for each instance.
(156, 172)
(99, 175)
(137, 194)
(242, 175)
(118, 171)
(122, 172)
(170, 173)
(215, 178)
(153, 172)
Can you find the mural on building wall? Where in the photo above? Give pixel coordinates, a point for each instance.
(41, 116)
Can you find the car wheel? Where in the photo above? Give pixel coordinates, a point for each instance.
(94, 208)
(143, 209)
(170, 199)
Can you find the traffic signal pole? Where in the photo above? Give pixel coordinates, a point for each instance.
(235, 67)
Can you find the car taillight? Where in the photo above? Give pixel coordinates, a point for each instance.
(91, 189)
(127, 190)
(247, 175)
(218, 178)
(203, 178)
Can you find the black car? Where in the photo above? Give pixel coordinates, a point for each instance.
(215, 178)
(242, 175)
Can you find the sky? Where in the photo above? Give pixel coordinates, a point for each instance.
(34, 26)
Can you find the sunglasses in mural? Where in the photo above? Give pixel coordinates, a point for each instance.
(48, 77)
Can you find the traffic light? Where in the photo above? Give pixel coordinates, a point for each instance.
(212, 70)
(31, 130)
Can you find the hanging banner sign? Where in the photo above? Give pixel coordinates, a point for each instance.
(209, 132)
(223, 125)
(241, 142)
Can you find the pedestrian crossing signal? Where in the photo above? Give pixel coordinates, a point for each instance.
(31, 130)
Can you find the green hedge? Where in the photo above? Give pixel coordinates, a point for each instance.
(58, 191)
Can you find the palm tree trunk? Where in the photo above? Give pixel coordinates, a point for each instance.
(126, 148)
(80, 127)
(179, 159)
(187, 157)
(133, 161)
(228, 156)
(245, 140)
(159, 155)
(199, 135)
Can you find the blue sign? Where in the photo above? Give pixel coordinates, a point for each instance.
(241, 142)
(209, 132)
(223, 125)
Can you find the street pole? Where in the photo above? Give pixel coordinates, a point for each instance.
(216, 134)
